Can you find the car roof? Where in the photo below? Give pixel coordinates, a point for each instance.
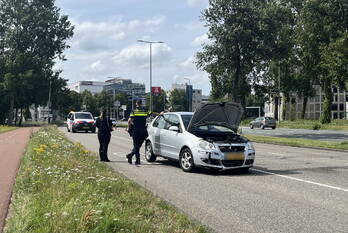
(180, 113)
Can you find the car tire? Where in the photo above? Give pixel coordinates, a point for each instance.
(149, 155)
(274, 127)
(93, 131)
(72, 130)
(251, 126)
(186, 160)
(262, 126)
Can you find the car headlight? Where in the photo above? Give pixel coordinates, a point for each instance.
(206, 145)
(249, 146)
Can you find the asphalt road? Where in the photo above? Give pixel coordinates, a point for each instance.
(289, 189)
(323, 135)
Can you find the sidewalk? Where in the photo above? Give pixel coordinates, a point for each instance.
(12, 147)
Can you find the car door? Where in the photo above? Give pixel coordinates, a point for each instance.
(171, 140)
(158, 127)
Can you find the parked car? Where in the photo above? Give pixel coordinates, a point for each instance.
(263, 122)
(207, 138)
(80, 121)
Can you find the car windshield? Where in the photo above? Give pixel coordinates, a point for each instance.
(186, 119)
(269, 118)
(83, 116)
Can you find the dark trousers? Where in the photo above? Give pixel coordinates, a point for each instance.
(104, 141)
(138, 140)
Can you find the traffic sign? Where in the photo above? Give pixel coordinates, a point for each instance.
(156, 90)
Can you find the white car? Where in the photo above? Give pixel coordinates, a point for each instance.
(80, 121)
(207, 138)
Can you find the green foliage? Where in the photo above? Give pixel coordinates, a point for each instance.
(62, 187)
(33, 36)
(178, 101)
(159, 101)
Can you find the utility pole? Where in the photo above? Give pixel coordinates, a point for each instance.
(150, 43)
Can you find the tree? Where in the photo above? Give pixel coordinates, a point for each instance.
(178, 101)
(242, 35)
(321, 25)
(159, 101)
(33, 34)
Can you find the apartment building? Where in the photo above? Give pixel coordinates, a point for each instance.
(339, 106)
(92, 86)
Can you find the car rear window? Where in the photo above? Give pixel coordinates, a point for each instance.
(83, 116)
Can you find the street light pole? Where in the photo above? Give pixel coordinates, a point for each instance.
(150, 43)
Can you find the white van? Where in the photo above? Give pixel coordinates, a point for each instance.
(80, 121)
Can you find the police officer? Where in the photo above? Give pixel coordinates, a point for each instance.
(104, 126)
(137, 121)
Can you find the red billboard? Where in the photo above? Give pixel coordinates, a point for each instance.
(156, 90)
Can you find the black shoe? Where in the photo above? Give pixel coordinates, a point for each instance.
(107, 160)
(129, 157)
(137, 162)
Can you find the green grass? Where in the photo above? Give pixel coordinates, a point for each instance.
(5, 128)
(307, 124)
(299, 142)
(313, 124)
(61, 187)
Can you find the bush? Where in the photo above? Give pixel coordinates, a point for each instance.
(316, 126)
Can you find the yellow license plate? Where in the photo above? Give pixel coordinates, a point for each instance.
(234, 156)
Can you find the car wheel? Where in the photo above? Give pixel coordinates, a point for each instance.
(251, 126)
(149, 155)
(186, 160)
(274, 127)
(93, 131)
(262, 126)
(72, 130)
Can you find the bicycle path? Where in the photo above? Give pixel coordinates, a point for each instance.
(12, 147)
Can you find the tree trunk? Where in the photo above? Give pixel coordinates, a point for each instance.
(16, 116)
(304, 107)
(10, 111)
(35, 112)
(21, 117)
(325, 118)
(284, 109)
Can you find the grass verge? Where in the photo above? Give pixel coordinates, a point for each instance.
(299, 142)
(62, 188)
(5, 128)
(307, 124)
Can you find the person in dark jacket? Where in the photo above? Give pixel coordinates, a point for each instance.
(137, 121)
(104, 126)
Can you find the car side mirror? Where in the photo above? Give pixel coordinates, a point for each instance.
(174, 128)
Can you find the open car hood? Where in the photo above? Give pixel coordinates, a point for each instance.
(226, 114)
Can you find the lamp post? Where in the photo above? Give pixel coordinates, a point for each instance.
(150, 43)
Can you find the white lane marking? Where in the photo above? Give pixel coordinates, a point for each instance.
(302, 180)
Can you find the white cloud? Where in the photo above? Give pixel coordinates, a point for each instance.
(138, 55)
(94, 36)
(188, 63)
(202, 39)
(194, 3)
(96, 67)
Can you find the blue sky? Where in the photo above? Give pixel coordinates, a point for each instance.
(106, 33)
